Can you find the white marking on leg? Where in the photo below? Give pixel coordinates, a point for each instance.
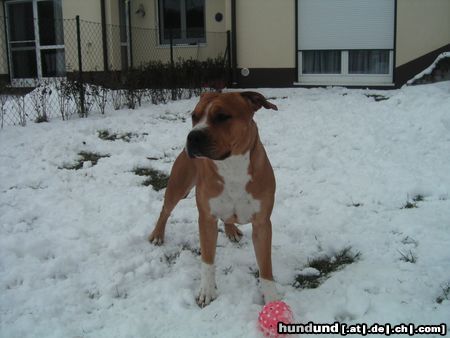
(269, 290)
(207, 291)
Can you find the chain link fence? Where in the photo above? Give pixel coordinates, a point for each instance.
(74, 68)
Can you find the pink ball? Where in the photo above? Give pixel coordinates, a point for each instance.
(271, 314)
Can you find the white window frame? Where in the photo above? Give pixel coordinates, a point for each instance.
(183, 41)
(37, 48)
(344, 78)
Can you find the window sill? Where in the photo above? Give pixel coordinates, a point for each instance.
(343, 83)
(183, 45)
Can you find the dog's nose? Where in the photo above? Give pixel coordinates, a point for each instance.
(196, 138)
(197, 143)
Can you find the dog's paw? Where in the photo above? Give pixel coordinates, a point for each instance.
(208, 289)
(269, 290)
(156, 237)
(233, 233)
(206, 296)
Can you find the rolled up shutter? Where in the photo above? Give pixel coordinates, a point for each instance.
(345, 24)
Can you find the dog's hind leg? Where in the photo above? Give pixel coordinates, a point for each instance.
(232, 232)
(181, 181)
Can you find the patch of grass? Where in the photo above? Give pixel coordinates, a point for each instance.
(41, 119)
(445, 293)
(410, 240)
(377, 97)
(106, 135)
(307, 281)
(418, 198)
(195, 251)
(409, 256)
(123, 294)
(171, 258)
(85, 156)
(93, 294)
(325, 266)
(254, 272)
(411, 204)
(157, 179)
(277, 98)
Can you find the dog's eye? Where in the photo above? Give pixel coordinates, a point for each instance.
(221, 117)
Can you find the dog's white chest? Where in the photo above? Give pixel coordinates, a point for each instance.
(234, 199)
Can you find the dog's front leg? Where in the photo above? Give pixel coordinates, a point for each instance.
(208, 240)
(262, 243)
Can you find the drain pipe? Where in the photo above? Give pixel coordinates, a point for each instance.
(234, 44)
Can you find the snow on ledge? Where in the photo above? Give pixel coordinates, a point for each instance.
(428, 70)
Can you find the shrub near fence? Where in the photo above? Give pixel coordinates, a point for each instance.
(85, 88)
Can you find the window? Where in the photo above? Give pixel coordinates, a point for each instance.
(345, 42)
(322, 62)
(183, 21)
(347, 67)
(36, 39)
(368, 62)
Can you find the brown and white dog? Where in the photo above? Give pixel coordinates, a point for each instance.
(226, 162)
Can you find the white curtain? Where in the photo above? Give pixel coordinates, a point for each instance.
(321, 62)
(368, 62)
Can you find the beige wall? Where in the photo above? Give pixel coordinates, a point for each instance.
(91, 36)
(265, 33)
(422, 27)
(87, 9)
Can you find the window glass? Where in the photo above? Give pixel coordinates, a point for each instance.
(172, 18)
(50, 23)
(20, 21)
(368, 62)
(321, 62)
(182, 20)
(195, 18)
(24, 64)
(52, 62)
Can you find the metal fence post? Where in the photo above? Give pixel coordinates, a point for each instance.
(80, 68)
(172, 72)
(8, 65)
(104, 43)
(229, 72)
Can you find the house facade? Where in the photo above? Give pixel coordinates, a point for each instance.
(270, 43)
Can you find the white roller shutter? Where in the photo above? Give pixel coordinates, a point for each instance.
(346, 24)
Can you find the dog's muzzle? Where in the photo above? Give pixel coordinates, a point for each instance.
(199, 144)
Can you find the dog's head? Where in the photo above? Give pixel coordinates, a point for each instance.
(220, 123)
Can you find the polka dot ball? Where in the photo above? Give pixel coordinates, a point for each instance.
(271, 314)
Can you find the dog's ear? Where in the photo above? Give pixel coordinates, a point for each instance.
(257, 101)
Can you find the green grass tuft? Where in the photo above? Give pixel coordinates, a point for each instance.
(410, 205)
(409, 256)
(325, 265)
(84, 156)
(106, 135)
(445, 293)
(377, 97)
(157, 179)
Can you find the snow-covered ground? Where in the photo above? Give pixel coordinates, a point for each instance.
(74, 256)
